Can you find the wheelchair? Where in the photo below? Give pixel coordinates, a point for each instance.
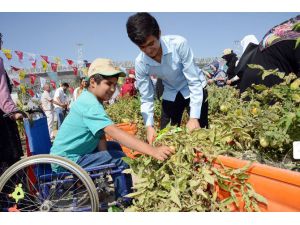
(31, 184)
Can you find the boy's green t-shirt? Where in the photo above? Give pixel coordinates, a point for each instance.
(82, 129)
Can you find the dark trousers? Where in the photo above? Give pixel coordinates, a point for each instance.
(172, 111)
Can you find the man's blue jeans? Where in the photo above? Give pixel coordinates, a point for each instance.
(114, 155)
(60, 116)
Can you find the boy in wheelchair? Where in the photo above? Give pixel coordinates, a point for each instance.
(81, 137)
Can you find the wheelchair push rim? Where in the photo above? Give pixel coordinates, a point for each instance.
(30, 185)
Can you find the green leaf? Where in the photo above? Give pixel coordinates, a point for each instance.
(223, 186)
(174, 197)
(128, 160)
(260, 198)
(114, 209)
(127, 171)
(209, 179)
(226, 202)
(296, 27)
(135, 194)
(194, 183)
(199, 191)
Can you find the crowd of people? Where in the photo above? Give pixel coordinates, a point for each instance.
(164, 68)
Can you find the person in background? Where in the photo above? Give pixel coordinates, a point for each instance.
(47, 106)
(218, 76)
(231, 60)
(81, 137)
(277, 50)
(10, 142)
(60, 98)
(171, 59)
(78, 90)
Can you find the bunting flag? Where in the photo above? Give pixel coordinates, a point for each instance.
(70, 62)
(57, 60)
(20, 55)
(16, 83)
(54, 67)
(7, 53)
(22, 74)
(23, 89)
(45, 58)
(32, 78)
(30, 92)
(42, 81)
(44, 65)
(33, 63)
(53, 76)
(32, 59)
(15, 68)
(75, 69)
(53, 84)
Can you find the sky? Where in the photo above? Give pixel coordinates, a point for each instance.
(104, 34)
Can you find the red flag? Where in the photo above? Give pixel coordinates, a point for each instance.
(30, 91)
(54, 67)
(16, 83)
(33, 63)
(53, 84)
(32, 78)
(70, 62)
(20, 55)
(75, 69)
(45, 58)
(15, 68)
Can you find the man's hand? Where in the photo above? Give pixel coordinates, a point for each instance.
(151, 134)
(16, 116)
(210, 81)
(163, 152)
(192, 124)
(228, 82)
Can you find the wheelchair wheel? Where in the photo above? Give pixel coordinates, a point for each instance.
(31, 185)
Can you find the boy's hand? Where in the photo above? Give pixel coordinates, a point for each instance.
(151, 134)
(192, 124)
(163, 152)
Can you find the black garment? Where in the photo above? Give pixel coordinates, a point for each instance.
(230, 63)
(174, 110)
(10, 142)
(159, 88)
(282, 55)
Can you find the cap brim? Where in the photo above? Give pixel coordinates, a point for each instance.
(113, 73)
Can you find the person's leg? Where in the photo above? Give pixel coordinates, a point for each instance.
(114, 154)
(173, 110)
(49, 115)
(204, 110)
(60, 116)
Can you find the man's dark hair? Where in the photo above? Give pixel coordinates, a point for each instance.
(140, 26)
(98, 78)
(65, 85)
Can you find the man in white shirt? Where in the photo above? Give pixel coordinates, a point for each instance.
(47, 106)
(171, 59)
(60, 103)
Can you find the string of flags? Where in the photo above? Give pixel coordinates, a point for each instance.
(46, 62)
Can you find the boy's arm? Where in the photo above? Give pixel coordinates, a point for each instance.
(130, 141)
(102, 144)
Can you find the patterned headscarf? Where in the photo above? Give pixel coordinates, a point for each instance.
(281, 32)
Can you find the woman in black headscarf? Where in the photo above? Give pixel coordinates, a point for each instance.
(277, 50)
(231, 58)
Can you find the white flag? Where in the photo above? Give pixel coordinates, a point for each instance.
(43, 81)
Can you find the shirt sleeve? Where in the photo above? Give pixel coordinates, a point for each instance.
(96, 119)
(6, 103)
(191, 73)
(145, 87)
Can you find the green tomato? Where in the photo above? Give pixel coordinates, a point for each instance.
(224, 108)
(263, 142)
(295, 85)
